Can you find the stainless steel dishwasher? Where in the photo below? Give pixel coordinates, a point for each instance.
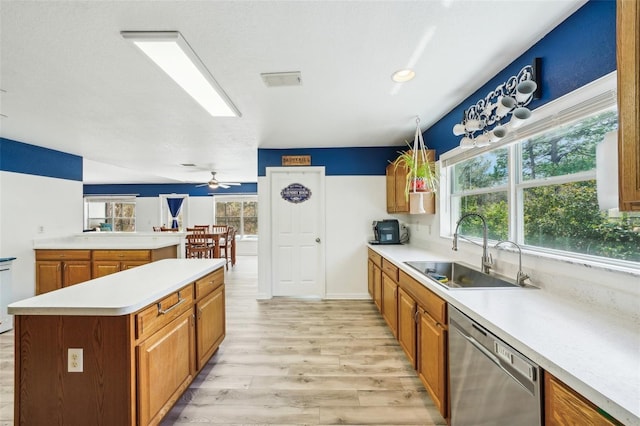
(490, 382)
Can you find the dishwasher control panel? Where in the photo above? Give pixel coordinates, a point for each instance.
(505, 353)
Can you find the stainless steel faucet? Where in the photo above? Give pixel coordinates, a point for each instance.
(520, 276)
(487, 261)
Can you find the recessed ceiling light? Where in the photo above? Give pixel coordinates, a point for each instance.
(171, 52)
(402, 76)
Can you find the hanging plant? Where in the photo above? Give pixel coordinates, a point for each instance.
(422, 174)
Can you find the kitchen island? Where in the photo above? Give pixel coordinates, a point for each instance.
(65, 261)
(119, 349)
(596, 352)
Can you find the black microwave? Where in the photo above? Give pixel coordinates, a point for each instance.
(386, 232)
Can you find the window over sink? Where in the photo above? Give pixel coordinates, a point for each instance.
(540, 189)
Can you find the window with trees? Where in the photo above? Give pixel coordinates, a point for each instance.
(239, 212)
(110, 213)
(541, 191)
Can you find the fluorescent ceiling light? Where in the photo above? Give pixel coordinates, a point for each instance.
(171, 52)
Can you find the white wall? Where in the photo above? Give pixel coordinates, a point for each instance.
(352, 204)
(28, 202)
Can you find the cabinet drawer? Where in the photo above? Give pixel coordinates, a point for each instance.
(209, 282)
(121, 255)
(63, 254)
(375, 258)
(155, 316)
(434, 305)
(390, 269)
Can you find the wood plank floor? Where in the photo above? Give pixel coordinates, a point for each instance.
(290, 362)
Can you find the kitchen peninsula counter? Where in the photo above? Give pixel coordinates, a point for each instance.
(596, 352)
(111, 241)
(119, 349)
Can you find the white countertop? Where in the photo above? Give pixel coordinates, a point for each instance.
(111, 241)
(596, 354)
(118, 294)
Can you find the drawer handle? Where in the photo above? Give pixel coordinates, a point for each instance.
(172, 307)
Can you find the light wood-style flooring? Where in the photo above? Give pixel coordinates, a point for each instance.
(290, 362)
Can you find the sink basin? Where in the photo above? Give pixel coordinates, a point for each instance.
(457, 275)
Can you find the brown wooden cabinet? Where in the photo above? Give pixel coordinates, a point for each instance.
(432, 358)
(397, 200)
(628, 64)
(107, 262)
(407, 330)
(429, 334)
(165, 368)
(564, 406)
(390, 303)
(61, 268)
(390, 295)
(375, 278)
(210, 315)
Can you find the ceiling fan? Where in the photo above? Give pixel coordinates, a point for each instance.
(214, 183)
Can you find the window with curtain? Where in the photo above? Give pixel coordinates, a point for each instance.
(541, 191)
(239, 212)
(110, 213)
(173, 210)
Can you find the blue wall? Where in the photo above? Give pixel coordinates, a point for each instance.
(371, 161)
(28, 159)
(153, 190)
(578, 51)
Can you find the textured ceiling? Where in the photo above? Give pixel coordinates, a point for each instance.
(74, 84)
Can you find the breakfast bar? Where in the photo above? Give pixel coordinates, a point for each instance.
(118, 349)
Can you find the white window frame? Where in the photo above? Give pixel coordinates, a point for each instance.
(237, 198)
(108, 199)
(591, 98)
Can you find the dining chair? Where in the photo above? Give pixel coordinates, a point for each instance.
(228, 247)
(223, 232)
(197, 246)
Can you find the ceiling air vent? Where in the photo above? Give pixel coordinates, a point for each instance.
(280, 79)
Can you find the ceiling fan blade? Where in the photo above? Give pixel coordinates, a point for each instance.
(223, 185)
(202, 184)
(232, 183)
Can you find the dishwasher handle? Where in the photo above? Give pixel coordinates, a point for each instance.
(497, 361)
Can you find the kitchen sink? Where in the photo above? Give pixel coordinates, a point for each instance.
(456, 275)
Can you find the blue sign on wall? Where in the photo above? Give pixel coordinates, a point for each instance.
(295, 193)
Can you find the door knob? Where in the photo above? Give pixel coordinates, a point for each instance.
(317, 240)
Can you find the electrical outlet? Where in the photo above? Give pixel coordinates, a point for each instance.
(74, 360)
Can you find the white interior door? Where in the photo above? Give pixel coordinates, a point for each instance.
(297, 226)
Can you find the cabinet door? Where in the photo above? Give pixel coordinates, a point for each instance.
(370, 277)
(628, 65)
(128, 264)
(390, 303)
(407, 325)
(105, 267)
(210, 325)
(377, 286)
(563, 406)
(48, 276)
(75, 272)
(401, 201)
(432, 365)
(391, 189)
(166, 366)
